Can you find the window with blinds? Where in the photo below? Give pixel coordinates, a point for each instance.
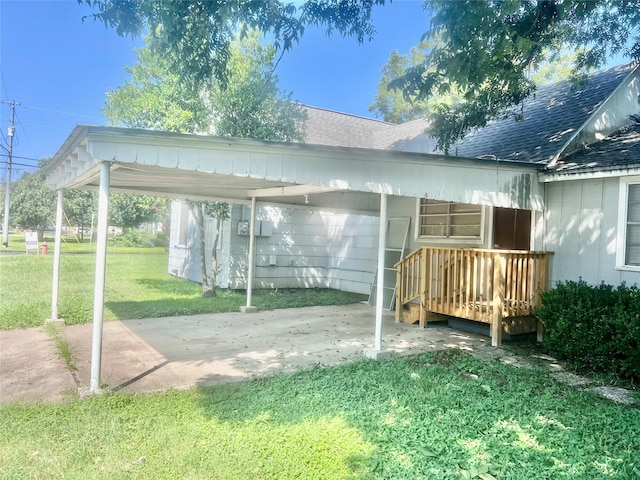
(449, 220)
(632, 240)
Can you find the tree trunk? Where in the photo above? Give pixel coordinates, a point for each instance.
(207, 289)
(214, 253)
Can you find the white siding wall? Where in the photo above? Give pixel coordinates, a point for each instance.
(310, 249)
(581, 229)
(352, 251)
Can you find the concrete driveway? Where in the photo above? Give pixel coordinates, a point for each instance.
(181, 352)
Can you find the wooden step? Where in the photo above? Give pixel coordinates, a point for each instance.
(411, 314)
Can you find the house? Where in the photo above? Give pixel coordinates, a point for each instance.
(561, 127)
(482, 222)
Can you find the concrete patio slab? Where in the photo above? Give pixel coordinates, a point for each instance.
(157, 354)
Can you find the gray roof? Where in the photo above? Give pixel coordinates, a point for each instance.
(549, 119)
(620, 149)
(335, 129)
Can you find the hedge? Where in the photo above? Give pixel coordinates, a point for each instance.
(594, 327)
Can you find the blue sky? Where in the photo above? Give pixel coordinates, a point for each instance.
(60, 68)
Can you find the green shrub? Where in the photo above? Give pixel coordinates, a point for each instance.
(160, 240)
(594, 327)
(131, 238)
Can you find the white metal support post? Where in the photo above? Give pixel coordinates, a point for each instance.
(101, 262)
(377, 352)
(251, 260)
(56, 260)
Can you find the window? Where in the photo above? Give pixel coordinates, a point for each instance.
(449, 220)
(628, 254)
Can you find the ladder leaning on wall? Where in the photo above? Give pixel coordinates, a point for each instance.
(395, 248)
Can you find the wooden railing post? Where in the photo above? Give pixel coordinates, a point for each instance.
(425, 253)
(498, 295)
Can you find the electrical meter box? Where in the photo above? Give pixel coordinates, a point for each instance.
(243, 227)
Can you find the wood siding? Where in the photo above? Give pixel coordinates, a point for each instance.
(581, 227)
(310, 249)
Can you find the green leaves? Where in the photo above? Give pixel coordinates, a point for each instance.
(33, 202)
(594, 327)
(251, 105)
(131, 211)
(196, 36)
(489, 50)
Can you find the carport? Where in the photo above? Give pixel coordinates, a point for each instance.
(245, 171)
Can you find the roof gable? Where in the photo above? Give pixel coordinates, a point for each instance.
(619, 150)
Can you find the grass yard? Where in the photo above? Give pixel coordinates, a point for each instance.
(436, 416)
(137, 286)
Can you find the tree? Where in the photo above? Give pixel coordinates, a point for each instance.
(249, 104)
(155, 98)
(131, 211)
(32, 203)
(487, 49)
(196, 35)
(393, 105)
(80, 206)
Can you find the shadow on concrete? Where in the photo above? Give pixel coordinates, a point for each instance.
(185, 351)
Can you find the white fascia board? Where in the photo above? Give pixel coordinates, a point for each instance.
(289, 191)
(588, 175)
(506, 184)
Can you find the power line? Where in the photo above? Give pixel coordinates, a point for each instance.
(18, 164)
(24, 158)
(62, 112)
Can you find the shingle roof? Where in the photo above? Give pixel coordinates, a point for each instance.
(550, 117)
(326, 127)
(621, 149)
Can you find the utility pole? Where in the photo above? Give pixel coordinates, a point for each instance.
(7, 192)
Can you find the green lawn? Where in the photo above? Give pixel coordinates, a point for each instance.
(74, 245)
(137, 286)
(438, 416)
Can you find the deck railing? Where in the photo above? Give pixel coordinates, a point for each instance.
(475, 284)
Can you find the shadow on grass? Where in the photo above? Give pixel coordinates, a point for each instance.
(171, 285)
(446, 417)
(126, 310)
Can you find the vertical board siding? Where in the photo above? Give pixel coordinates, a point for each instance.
(311, 249)
(581, 228)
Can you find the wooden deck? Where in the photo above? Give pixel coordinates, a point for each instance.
(486, 286)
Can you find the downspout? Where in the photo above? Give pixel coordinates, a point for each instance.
(100, 274)
(56, 260)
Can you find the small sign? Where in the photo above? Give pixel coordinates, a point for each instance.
(31, 239)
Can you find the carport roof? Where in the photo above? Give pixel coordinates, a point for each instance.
(312, 176)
